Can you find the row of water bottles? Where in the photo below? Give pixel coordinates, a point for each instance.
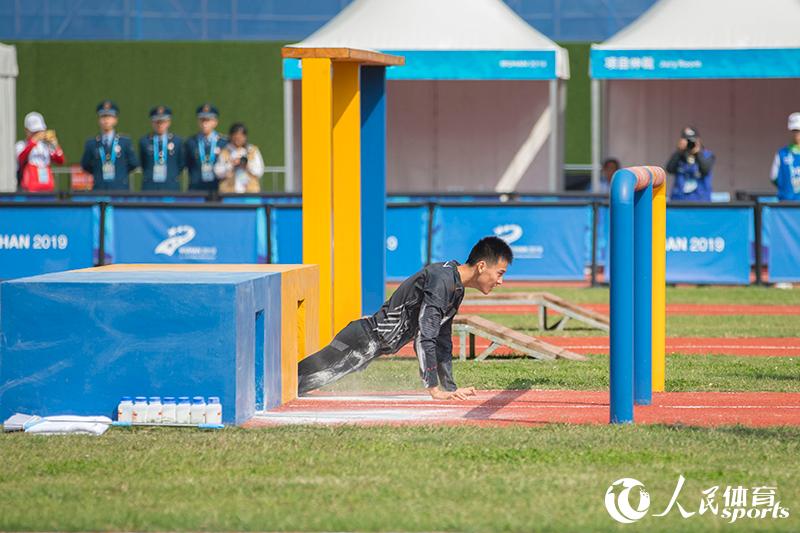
(169, 410)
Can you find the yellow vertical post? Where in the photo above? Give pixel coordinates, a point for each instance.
(346, 194)
(659, 285)
(317, 126)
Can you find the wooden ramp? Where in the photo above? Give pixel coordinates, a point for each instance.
(545, 301)
(499, 335)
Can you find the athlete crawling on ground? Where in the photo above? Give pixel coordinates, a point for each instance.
(422, 309)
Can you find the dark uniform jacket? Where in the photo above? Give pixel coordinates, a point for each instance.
(422, 308)
(174, 159)
(194, 164)
(119, 151)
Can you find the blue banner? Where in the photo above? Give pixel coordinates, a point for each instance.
(697, 64)
(782, 228)
(39, 240)
(709, 245)
(461, 65)
(548, 241)
(286, 235)
(185, 235)
(406, 241)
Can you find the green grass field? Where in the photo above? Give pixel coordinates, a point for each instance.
(550, 478)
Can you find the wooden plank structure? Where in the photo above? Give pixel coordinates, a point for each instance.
(499, 335)
(546, 302)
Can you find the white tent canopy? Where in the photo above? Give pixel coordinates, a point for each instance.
(731, 68)
(474, 107)
(8, 117)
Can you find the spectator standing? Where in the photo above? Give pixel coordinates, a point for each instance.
(785, 173)
(691, 164)
(109, 156)
(161, 153)
(240, 165)
(35, 153)
(610, 166)
(203, 149)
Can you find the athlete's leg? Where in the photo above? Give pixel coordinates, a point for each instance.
(352, 349)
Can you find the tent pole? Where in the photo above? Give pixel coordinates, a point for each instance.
(288, 136)
(553, 180)
(595, 88)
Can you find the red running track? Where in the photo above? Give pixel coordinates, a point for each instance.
(672, 309)
(747, 346)
(536, 407)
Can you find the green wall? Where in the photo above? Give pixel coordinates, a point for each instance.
(65, 81)
(578, 118)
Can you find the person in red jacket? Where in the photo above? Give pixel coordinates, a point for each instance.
(35, 154)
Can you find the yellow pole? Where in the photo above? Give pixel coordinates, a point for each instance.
(659, 285)
(346, 194)
(317, 124)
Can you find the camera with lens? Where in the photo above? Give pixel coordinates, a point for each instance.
(691, 135)
(243, 161)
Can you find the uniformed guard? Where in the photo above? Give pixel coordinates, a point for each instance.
(203, 149)
(109, 157)
(161, 153)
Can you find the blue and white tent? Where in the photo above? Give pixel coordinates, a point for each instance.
(731, 68)
(8, 118)
(477, 106)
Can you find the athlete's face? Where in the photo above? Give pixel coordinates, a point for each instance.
(490, 275)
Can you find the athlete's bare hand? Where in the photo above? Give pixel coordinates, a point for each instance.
(466, 391)
(438, 394)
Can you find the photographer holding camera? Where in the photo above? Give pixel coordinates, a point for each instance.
(35, 154)
(240, 165)
(691, 164)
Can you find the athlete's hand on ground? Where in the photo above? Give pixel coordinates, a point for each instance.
(466, 391)
(438, 394)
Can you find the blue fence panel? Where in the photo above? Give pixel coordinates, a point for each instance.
(782, 225)
(185, 235)
(22, 197)
(286, 235)
(406, 240)
(547, 240)
(709, 245)
(262, 200)
(38, 240)
(603, 225)
(121, 199)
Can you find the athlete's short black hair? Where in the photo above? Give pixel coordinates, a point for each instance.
(491, 250)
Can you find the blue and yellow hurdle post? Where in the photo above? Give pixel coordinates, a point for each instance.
(344, 191)
(638, 222)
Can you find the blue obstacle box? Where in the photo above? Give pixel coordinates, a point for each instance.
(75, 342)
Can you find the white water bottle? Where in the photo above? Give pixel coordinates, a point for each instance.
(154, 410)
(213, 410)
(139, 410)
(168, 410)
(125, 410)
(197, 414)
(182, 410)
